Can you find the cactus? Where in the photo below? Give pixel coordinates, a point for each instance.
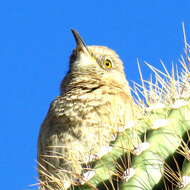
(153, 152)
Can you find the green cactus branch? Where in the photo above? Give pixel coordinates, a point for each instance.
(163, 133)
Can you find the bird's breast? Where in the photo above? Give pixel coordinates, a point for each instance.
(103, 107)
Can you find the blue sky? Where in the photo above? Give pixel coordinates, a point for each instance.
(35, 44)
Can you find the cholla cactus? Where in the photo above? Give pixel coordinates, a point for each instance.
(153, 151)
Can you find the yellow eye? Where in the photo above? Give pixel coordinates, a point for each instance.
(107, 63)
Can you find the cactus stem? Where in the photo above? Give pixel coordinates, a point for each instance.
(128, 173)
(142, 147)
(160, 123)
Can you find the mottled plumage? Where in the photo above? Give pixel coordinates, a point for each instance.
(94, 104)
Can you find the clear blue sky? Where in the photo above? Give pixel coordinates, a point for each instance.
(35, 44)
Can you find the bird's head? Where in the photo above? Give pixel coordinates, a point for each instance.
(96, 62)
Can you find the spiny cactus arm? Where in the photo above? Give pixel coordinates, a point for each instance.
(149, 166)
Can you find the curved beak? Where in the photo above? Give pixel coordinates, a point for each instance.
(80, 44)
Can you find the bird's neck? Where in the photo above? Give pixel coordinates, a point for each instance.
(89, 83)
(80, 81)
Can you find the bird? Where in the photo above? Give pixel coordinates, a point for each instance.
(94, 104)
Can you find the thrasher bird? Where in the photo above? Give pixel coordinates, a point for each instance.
(94, 104)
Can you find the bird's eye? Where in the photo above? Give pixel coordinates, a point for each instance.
(107, 63)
